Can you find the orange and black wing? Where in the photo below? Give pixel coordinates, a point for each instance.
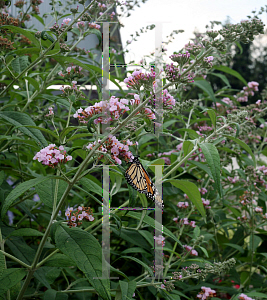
(139, 179)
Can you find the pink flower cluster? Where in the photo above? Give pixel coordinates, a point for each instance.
(206, 293)
(180, 58)
(73, 70)
(51, 113)
(66, 21)
(160, 240)
(186, 222)
(168, 100)
(52, 155)
(244, 297)
(206, 203)
(247, 90)
(115, 148)
(113, 109)
(208, 60)
(93, 26)
(232, 180)
(183, 204)
(191, 250)
(75, 218)
(173, 73)
(263, 125)
(263, 169)
(138, 79)
(203, 191)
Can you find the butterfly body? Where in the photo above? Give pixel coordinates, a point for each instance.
(138, 178)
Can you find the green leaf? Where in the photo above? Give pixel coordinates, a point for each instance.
(127, 289)
(26, 32)
(223, 78)
(187, 147)
(20, 119)
(34, 50)
(46, 191)
(256, 294)
(20, 189)
(239, 46)
(41, 20)
(53, 134)
(51, 294)
(20, 63)
(84, 249)
(192, 134)
(33, 82)
(10, 278)
(201, 166)
(256, 242)
(54, 51)
(59, 100)
(140, 263)
(206, 87)
(237, 247)
(231, 72)
(97, 33)
(151, 222)
(26, 232)
(212, 116)
(89, 185)
(191, 190)
(243, 145)
(59, 260)
(213, 159)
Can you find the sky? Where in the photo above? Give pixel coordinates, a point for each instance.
(189, 15)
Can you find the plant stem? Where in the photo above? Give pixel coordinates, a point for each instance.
(15, 259)
(3, 252)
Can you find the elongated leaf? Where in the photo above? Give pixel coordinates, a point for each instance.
(140, 263)
(213, 159)
(237, 247)
(20, 119)
(243, 145)
(26, 32)
(33, 82)
(201, 166)
(84, 249)
(223, 78)
(51, 294)
(231, 72)
(191, 190)
(151, 222)
(44, 130)
(206, 87)
(91, 186)
(20, 189)
(59, 260)
(26, 232)
(10, 278)
(46, 191)
(127, 289)
(212, 116)
(20, 63)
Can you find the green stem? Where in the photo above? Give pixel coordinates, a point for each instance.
(3, 252)
(46, 259)
(15, 259)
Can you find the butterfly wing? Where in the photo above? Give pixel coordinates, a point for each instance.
(138, 178)
(134, 176)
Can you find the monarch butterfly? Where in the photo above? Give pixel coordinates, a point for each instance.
(138, 178)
